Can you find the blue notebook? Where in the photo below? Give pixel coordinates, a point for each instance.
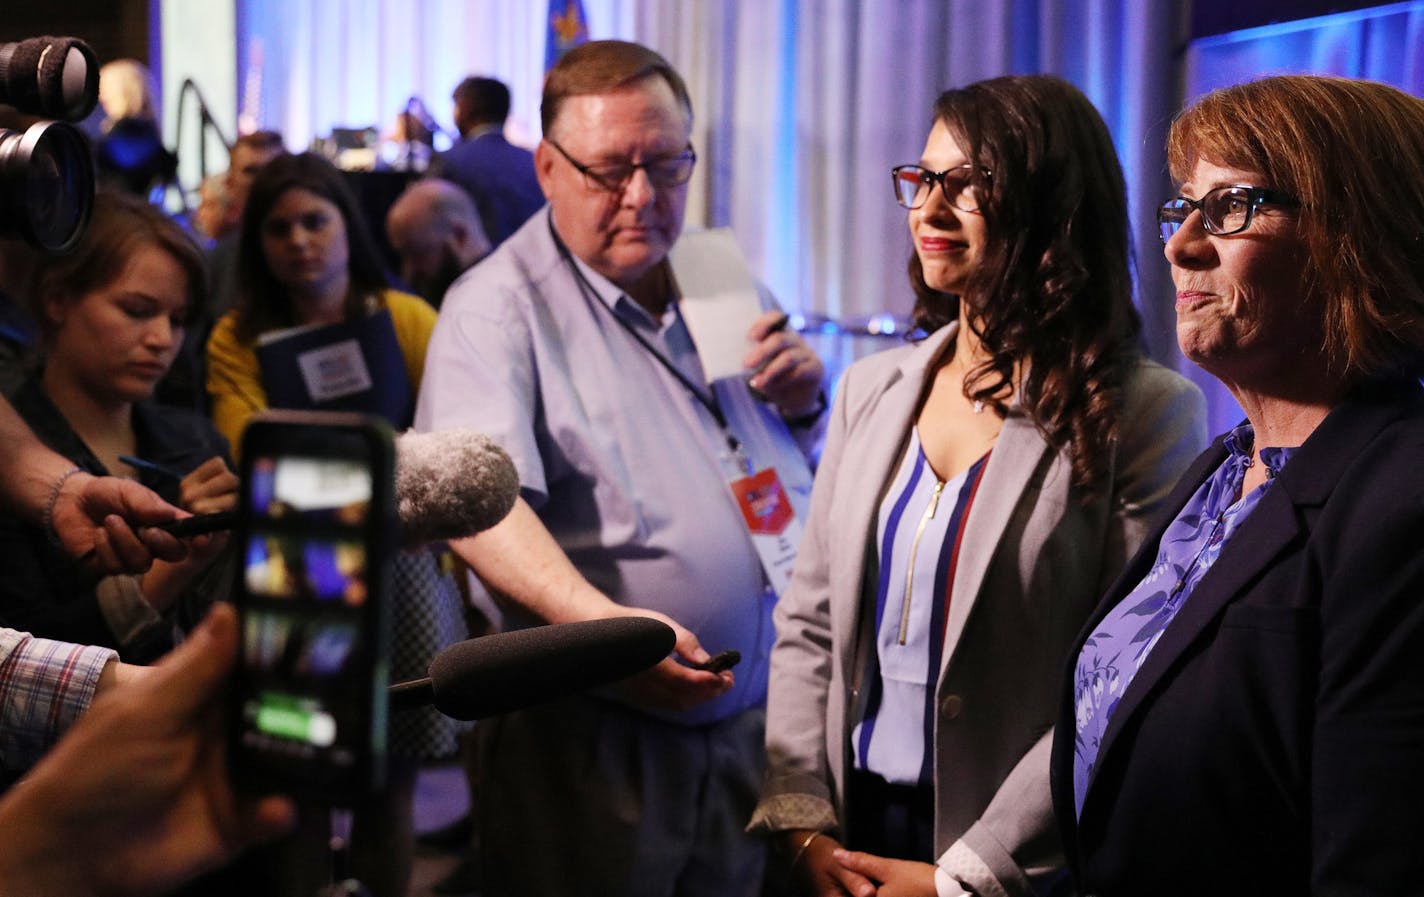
(350, 366)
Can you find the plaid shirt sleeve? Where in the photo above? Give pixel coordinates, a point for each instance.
(44, 686)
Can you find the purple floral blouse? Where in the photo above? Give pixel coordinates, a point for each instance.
(1116, 650)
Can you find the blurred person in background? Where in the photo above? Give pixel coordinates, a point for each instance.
(498, 175)
(436, 232)
(130, 155)
(220, 216)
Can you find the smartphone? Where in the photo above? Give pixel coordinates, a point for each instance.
(198, 524)
(724, 660)
(316, 528)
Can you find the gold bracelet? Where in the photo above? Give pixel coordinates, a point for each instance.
(801, 851)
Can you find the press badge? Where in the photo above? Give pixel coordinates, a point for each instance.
(771, 521)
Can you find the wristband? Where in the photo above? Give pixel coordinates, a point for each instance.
(47, 519)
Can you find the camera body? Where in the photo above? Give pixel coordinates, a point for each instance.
(47, 169)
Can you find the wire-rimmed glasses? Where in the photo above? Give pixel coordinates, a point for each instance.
(613, 177)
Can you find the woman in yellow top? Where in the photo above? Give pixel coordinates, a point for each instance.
(306, 258)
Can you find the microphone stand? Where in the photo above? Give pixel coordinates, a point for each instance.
(413, 119)
(205, 122)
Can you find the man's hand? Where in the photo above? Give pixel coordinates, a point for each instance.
(786, 371)
(671, 685)
(95, 518)
(896, 878)
(136, 798)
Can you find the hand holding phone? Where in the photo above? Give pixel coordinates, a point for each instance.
(316, 532)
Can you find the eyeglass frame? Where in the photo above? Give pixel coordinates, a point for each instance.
(1255, 198)
(597, 182)
(937, 177)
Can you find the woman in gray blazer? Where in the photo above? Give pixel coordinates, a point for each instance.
(978, 492)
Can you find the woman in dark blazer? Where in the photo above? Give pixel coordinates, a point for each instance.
(1245, 709)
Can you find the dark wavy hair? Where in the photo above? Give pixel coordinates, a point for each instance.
(1053, 292)
(263, 303)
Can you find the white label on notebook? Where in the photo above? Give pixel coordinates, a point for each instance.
(334, 371)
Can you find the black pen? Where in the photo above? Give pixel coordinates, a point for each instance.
(779, 325)
(161, 469)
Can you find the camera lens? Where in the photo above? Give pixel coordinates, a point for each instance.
(46, 185)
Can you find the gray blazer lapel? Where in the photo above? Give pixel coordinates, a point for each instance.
(875, 450)
(1017, 452)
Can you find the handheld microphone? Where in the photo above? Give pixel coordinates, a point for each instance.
(449, 484)
(507, 671)
(57, 77)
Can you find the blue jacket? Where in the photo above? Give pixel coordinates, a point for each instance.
(500, 178)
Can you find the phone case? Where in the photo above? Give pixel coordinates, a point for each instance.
(316, 528)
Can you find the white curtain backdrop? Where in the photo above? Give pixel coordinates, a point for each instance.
(804, 105)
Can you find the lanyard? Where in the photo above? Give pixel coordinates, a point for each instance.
(708, 399)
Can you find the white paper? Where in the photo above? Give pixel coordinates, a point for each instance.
(719, 299)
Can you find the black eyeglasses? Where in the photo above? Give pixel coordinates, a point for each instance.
(1224, 211)
(960, 185)
(613, 177)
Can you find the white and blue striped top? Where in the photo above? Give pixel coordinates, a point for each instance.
(920, 525)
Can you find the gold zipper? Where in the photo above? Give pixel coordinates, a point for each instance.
(914, 549)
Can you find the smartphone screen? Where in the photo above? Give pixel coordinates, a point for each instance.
(316, 531)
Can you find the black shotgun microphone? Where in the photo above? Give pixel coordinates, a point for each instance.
(507, 671)
(449, 484)
(57, 77)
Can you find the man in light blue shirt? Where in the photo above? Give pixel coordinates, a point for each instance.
(566, 346)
